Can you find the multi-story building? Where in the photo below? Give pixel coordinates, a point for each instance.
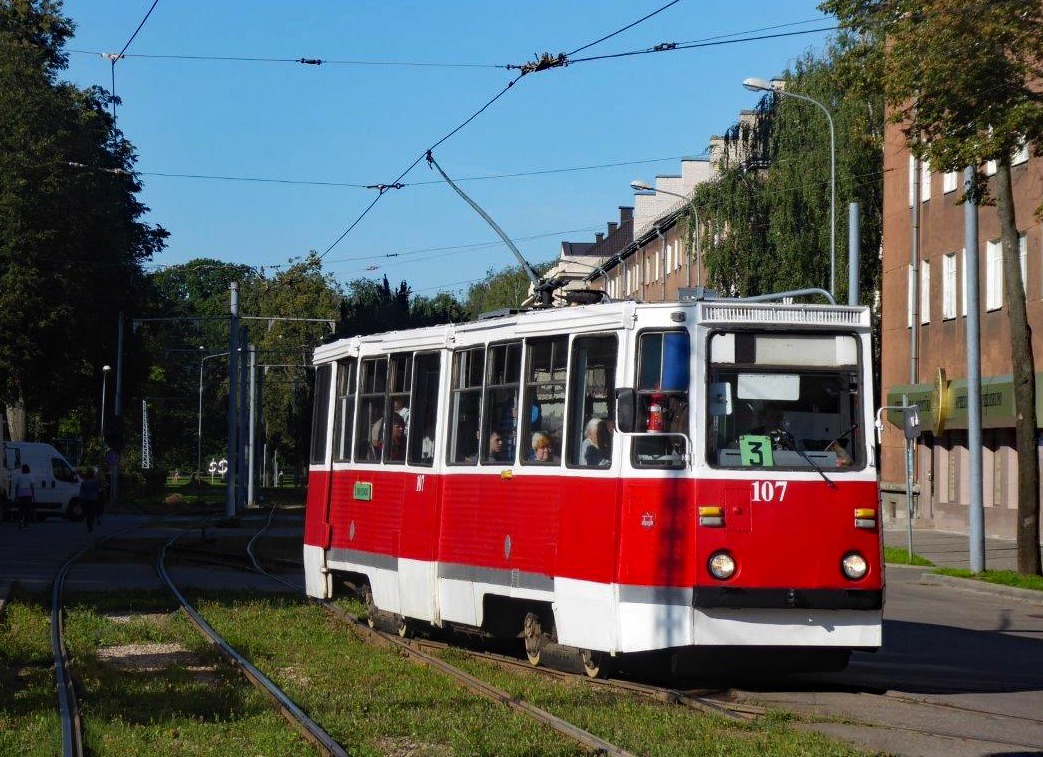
(924, 339)
(662, 256)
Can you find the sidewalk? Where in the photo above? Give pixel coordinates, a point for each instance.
(949, 550)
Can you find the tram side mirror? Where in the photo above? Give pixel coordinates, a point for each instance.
(626, 410)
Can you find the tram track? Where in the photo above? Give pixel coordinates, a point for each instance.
(68, 701)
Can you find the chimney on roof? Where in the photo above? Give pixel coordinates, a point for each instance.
(626, 213)
(599, 237)
(612, 226)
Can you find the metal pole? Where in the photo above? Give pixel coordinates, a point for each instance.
(909, 483)
(199, 429)
(240, 491)
(977, 505)
(233, 377)
(252, 438)
(117, 413)
(854, 252)
(104, 381)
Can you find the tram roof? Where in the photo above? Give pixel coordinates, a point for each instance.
(608, 315)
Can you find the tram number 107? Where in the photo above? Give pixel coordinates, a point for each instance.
(769, 491)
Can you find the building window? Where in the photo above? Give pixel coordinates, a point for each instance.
(963, 282)
(910, 299)
(950, 180)
(949, 286)
(925, 291)
(925, 181)
(993, 275)
(990, 168)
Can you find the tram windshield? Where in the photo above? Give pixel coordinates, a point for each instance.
(784, 401)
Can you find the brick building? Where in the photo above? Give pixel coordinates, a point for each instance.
(933, 302)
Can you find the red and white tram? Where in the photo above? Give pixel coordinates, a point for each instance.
(613, 478)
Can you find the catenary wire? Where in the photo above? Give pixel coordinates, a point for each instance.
(620, 31)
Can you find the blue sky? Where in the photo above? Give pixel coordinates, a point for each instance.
(342, 123)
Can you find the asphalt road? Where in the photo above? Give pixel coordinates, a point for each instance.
(960, 675)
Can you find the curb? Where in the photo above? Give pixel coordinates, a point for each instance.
(1030, 596)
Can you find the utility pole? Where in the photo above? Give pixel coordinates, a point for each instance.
(233, 378)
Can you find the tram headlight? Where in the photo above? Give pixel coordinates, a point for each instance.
(854, 566)
(721, 565)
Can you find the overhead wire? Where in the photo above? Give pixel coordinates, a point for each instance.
(117, 56)
(300, 61)
(488, 177)
(427, 153)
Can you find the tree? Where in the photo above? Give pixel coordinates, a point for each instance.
(765, 219)
(71, 239)
(506, 288)
(962, 77)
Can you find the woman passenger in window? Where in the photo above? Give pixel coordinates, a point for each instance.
(542, 448)
(596, 450)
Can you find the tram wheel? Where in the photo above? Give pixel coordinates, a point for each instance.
(595, 664)
(532, 633)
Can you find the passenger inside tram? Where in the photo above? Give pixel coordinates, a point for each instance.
(542, 448)
(596, 449)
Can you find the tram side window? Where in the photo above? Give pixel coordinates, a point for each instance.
(396, 412)
(465, 406)
(343, 410)
(662, 391)
(592, 385)
(544, 398)
(424, 409)
(369, 427)
(320, 413)
(500, 428)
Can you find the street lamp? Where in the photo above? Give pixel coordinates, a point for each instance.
(760, 85)
(104, 380)
(199, 432)
(644, 186)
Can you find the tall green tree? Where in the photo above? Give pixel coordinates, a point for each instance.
(765, 219)
(963, 78)
(71, 238)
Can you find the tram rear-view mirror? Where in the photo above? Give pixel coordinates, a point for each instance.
(721, 398)
(626, 410)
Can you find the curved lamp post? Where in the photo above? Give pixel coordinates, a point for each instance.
(762, 85)
(199, 432)
(644, 186)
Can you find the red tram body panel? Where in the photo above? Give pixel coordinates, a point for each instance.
(637, 477)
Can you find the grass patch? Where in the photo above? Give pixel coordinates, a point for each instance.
(901, 556)
(372, 700)
(1002, 577)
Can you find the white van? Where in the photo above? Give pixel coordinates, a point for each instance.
(56, 483)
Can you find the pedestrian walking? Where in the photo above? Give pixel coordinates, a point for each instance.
(89, 498)
(24, 493)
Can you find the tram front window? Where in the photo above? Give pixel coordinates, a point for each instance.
(764, 414)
